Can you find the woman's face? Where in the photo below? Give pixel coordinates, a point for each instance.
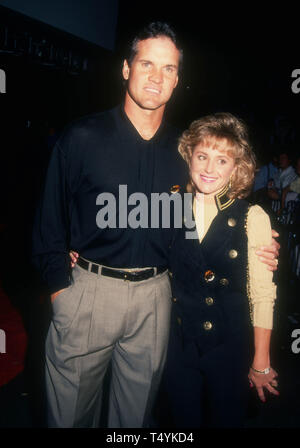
(211, 167)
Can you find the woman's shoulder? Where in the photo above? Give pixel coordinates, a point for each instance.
(238, 207)
(257, 212)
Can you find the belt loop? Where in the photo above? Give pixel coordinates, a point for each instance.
(155, 271)
(90, 267)
(98, 268)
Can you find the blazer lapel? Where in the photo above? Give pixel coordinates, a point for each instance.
(219, 231)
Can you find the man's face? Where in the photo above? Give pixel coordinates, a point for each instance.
(153, 74)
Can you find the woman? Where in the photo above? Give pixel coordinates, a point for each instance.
(223, 296)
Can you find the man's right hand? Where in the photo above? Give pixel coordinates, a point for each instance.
(55, 294)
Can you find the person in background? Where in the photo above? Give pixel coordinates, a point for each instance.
(263, 181)
(285, 176)
(291, 191)
(265, 174)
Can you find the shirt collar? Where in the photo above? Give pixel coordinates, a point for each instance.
(222, 199)
(128, 128)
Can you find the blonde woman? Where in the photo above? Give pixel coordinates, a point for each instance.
(223, 296)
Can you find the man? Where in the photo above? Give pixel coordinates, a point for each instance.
(265, 175)
(285, 176)
(263, 179)
(117, 307)
(295, 185)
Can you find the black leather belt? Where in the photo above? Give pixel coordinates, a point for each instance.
(132, 276)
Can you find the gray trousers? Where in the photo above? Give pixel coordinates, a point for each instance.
(96, 320)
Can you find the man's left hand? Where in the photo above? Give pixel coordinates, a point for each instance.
(74, 257)
(269, 254)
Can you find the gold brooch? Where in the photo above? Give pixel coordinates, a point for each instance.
(175, 189)
(209, 276)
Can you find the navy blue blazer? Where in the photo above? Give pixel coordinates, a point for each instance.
(209, 280)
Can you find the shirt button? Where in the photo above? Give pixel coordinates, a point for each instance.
(231, 222)
(233, 253)
(209, 301)
(179, 320)
(207, 325)
(174, 299)
(209, 276)
(224, 281)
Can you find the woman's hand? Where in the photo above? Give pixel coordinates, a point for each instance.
(263, 381)
(74, 257)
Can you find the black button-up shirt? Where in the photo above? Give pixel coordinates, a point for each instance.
(96, 155)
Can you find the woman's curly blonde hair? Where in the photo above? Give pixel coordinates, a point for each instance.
(212, 130)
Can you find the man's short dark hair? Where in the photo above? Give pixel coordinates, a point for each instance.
(150, 31)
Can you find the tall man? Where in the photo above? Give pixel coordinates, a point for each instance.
(116, 304)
